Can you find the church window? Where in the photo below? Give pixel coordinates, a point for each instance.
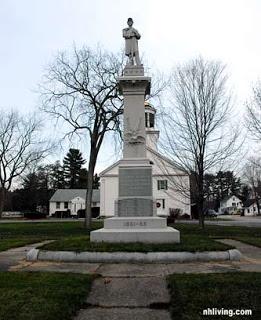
(162, 185)
(149, 120)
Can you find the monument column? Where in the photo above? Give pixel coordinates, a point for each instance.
(135, 171)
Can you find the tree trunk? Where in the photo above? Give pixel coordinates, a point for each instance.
(201, 216)
(201, 198)
(257, 203)
(258, 207)
(2, 201)
(88, 200)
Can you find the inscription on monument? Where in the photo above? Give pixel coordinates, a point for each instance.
(135, 224)
(135, 182)
(135, 207)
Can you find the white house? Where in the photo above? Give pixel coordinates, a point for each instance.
(71, 199)
(167, 179)
(250, 207)
(231, 205)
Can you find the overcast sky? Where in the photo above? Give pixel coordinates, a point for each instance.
(32, 31)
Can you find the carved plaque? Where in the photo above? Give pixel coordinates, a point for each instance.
(135, 207)
(135, 182)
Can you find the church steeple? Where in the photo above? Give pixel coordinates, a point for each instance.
(152, 135)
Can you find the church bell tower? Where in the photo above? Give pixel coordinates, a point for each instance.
(152, 135)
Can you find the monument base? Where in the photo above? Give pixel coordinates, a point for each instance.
(136, 229)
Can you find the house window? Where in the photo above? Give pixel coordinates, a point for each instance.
(162, 185)
(248, 210)
(233, 204)
(66, 205)
(58, 205)
(254, 208)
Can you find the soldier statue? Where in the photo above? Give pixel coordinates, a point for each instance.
(131, 36)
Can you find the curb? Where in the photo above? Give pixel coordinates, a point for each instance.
(132, 257)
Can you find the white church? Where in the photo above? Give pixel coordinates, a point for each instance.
(167, 179)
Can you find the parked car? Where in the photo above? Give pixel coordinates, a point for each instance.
(211, 213)
(34, 215)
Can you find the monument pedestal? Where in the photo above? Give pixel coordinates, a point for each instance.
(135, 210)
(136, 229)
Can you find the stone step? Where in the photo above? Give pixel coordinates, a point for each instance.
(154, 235)
(129, 292)
(123, 314)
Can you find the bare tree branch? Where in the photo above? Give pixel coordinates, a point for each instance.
(253, 116)
(20, 147)
(198, 135)
(80, 89)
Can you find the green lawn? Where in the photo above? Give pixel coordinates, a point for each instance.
(255, 241)
(192, 293)
(19, 234)
(42, 296)
(73, 236)
(189, 242)
(244, 234)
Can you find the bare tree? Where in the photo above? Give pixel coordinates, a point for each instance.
(198, 135)
(80, 89)
(20, 147)
(253, 115)
(252, 175)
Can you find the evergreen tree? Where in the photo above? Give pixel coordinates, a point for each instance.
(72, 165)
(96, 181)
(245, 192)
(221, 185)
(57, 180)
(83, 178)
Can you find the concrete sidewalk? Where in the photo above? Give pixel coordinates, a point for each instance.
(127, 298)
(131, 291)
(13, 257)
(14, 260)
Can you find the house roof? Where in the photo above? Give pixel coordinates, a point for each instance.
(66, 195)
(228, 197)
(249, 203)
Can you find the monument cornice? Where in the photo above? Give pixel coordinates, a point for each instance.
(134, 85)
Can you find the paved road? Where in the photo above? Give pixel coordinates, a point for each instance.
(234, 221)
(231, 221)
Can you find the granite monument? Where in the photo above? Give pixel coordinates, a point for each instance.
(135, 210)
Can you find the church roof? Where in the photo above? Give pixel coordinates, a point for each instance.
(156, 153)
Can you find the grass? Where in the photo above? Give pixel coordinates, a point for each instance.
(244, 234)
(14, 235)
(255, 241)
(6, 244)
(73, 236)
(190, 243)
(192, 293)
(42, 296)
